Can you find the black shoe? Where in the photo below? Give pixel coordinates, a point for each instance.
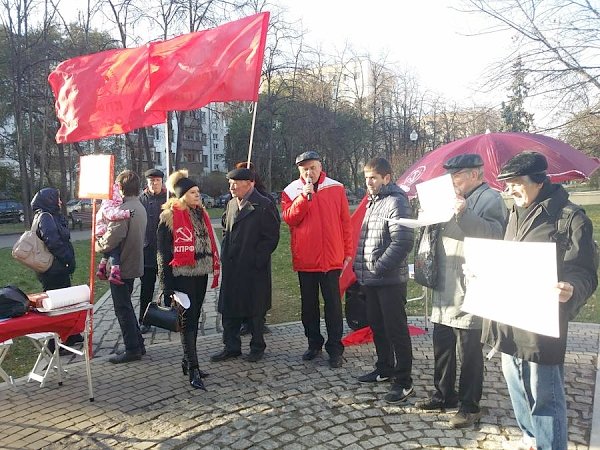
(465, 419)
(335, 362)
(244, 330)
(195, 379)
(372, 377)
(398, 395)
(311, 354)
(254, 356)
(125, 357)
(145, 329)
(224, 355)
(74, 339)
(433, 404)
(185, 370)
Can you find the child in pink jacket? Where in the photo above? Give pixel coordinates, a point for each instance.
(110, 211)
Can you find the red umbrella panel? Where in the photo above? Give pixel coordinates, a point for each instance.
(565, 163)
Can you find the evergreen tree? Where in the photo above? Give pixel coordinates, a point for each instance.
(513, 114)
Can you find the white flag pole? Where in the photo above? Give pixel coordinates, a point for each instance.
(252, 134)
(167, 159)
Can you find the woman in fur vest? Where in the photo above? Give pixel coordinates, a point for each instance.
(187, 253)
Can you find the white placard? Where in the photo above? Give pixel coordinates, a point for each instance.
(437, 199)
(96, 176)
(513, 283)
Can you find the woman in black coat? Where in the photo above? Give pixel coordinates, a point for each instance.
(53, 229)
(187, 253)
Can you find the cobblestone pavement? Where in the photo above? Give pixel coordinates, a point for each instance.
(279, 402)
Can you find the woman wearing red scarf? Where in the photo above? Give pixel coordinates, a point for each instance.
(187, 253)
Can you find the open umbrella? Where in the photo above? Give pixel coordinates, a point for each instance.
(564, 162)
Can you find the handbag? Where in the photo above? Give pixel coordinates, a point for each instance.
(356, 307)
(160, 316)
(31, 251)
(426, 270)
(13, 302)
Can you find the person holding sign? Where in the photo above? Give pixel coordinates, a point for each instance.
(532, 363)
(479, 211)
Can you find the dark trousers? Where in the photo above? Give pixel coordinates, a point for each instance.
(195, 288)
(309, 292)
(231, 333)
(148, 280)
(386, 315)
(447, 342)
(121, 295)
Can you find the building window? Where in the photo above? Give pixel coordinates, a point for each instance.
(203, 116)
(216, 146)
(157, 158)
(205, 160)
(215, 136)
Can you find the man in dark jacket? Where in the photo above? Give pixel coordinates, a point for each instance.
(153, 197)
(129, 234)
(382, 271)
(250, 235)
(532, 364)
(479, 212)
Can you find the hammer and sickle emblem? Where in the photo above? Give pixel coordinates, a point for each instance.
(183, 235)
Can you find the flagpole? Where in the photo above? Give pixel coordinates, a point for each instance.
(252, 134)
(167, 145)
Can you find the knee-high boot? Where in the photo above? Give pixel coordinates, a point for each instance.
(195, 374)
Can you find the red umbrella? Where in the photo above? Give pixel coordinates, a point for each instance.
(564, 162)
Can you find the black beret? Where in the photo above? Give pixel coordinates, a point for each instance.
(307, 156)
(182, 186)
(523, 164)
(464, 161)
(154, 173)
(241, 174)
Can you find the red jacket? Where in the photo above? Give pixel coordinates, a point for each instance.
(320, 228)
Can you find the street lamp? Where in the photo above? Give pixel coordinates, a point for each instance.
(413, 137)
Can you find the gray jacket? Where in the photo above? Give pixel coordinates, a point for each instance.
(383, 246)
(484, 217)
(129, 234)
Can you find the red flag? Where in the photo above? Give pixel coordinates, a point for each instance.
(218, 65)
(348, 277)
(102, 94)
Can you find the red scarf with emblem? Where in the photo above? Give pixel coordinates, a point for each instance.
(184, 242)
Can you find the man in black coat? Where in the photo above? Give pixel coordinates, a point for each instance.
(382, 271)
(153, 197)
(250, 235)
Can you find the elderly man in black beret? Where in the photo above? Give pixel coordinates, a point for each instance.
(532, 364)
(250, 235)
(479, 212)
(153, 197)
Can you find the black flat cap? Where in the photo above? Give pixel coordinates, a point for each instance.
(526, 163)
(150, 173)
(464, 161)
(307, 156)
(241, 174)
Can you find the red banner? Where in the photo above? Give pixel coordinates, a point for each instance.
(102, 94)
(217, 65)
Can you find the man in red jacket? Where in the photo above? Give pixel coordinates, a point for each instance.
(316, 209)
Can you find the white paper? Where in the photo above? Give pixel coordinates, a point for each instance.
(513, 283)
(182, 298)
(437, 199)
(59, 298)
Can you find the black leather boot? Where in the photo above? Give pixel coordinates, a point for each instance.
(196, 379)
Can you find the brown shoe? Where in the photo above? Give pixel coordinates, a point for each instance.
(465, 419)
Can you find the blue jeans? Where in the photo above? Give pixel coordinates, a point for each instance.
(538, 398)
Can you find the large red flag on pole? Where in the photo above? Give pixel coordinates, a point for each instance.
(217, 65)
(102, 94)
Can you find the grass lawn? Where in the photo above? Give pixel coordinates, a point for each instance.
(286, 292)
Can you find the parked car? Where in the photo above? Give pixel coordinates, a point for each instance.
(222, 200)
(207, 200)
(76, 205)
(11, 211)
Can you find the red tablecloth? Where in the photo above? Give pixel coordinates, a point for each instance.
(33, 322)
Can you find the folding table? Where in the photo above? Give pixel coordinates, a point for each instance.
(59, 325)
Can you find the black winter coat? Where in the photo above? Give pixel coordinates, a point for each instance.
(152, 204)
(575, 266)
(383, 246)
(250, 236)
(54, 231)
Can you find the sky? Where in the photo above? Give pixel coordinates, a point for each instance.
(430, 38)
